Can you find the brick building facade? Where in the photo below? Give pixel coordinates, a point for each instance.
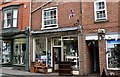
(89, 37)
(14, 18)
(56, 34)
(103, 34)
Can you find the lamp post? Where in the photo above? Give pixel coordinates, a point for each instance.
(27, 48)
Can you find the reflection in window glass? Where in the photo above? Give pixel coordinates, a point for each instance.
(6, 52)
(70, 48)
(41, 50)
(19, 51)
(49, 52)
(113, 53)
(57, 41)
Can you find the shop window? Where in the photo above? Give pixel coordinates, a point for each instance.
(19, 51)
(70, 49)
(113, 54)
(49, 52)
(57, 41)
(41, 50)
(6, 52)
(49, 18)
(100, 10)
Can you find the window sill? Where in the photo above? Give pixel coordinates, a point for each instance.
(113, 68)
(99, 21)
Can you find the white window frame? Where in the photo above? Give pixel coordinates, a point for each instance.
(107, 59)
(95, 10)
(49, 26)
(6, 1)
(5, 24)
(14, 18)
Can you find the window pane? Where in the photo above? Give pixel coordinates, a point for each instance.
(14, 22)
(6, 52)
(103, 5)
(57, 41)
(19, 51)
(9, 22)
(15, 13)
(5, 23)
(49, 18)
(49, 53)
(5, 15)
(113, 53)
(41, 50)
(70, 49)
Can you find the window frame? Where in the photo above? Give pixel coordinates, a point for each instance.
(6, 1)
(49, 26)
(107, 63)
(95, 10)
(12, 18)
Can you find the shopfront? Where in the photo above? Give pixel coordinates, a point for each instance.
(51, 50)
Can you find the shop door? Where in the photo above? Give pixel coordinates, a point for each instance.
(56, 58)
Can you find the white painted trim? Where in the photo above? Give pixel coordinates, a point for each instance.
(75, 72)
(43, 18)
(91, 37)
(33, 50)
(51, 52)
(95, 15)
(46, 51)
(113, 36)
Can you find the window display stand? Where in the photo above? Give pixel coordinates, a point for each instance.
(74, 60)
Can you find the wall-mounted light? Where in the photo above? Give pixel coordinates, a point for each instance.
(25, 6)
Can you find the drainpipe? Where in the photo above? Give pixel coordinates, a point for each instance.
(27, 48)
(81, 51)
(27, 32)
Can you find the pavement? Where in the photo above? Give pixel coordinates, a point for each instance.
(9, 72)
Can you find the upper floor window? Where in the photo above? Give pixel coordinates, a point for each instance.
(10, 18)
(4, 1)
(100, 10)
(49, 18)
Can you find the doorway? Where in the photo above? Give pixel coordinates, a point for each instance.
(56, 58)
(93, 52)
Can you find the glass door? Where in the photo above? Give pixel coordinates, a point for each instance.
(56, 58)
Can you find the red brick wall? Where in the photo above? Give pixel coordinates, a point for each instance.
(24, 13)
(63, 14)
(102, 54)
(90, 26)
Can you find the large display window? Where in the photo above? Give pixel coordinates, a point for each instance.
(43, 51)
(113, 54)
(49, 51)
(70, 50)
(19, 51)
(6, 52)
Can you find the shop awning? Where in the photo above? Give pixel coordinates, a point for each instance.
(55, 30)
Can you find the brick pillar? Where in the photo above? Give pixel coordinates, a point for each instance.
(102, 52)
(80, 49)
